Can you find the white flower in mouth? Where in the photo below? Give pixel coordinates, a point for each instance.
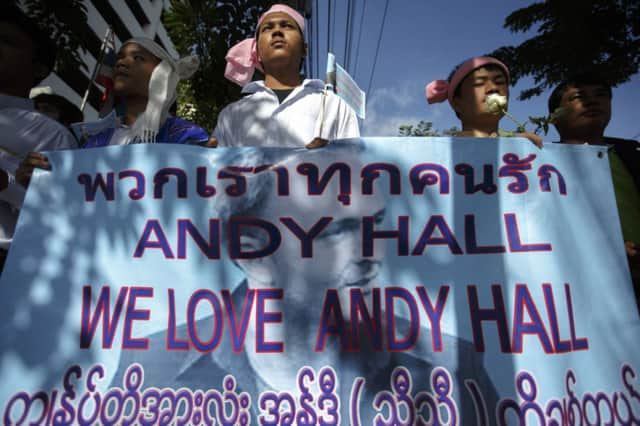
(496, 104)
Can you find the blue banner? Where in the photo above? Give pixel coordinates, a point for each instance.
(389, 281)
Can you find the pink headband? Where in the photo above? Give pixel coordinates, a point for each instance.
(242, 59)
(440, 90)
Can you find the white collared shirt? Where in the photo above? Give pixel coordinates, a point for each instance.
(259, 119)
(23, 130)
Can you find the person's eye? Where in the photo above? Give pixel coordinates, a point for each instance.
(139, 58)
(340, 230)
(333, 234)
(266, 28)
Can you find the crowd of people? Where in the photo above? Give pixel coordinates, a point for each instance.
(284, 109)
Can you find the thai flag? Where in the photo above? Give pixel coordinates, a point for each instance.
(103, 71)
(104, 76)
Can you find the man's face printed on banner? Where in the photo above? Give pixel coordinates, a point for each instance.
(133, 70)
(280, 41)
(470, 103)
(337, 260)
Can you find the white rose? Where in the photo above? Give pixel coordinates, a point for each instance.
(496, 104)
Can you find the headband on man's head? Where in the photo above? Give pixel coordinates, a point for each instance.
(440, 90)
(294, 14)
(242, 58)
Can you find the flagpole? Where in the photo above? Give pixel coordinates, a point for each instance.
(96, 68)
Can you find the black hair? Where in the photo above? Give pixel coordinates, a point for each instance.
(578, 80)
(44, 49)
(69, 113)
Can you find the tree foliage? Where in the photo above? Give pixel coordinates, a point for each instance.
(424, 128)
(66, 22)
(208, 28)
(599, 36)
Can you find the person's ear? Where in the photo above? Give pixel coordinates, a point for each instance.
(456, 103)
(259, 270)
(258, 54)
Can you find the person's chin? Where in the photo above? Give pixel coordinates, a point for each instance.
(119, 88)
(487, 118)
(593, 120)
(278, 58)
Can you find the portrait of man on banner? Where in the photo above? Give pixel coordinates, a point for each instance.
(314, 275)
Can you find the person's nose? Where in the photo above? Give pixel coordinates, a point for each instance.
(492, 87)
(277, 32)
(368, 267)
(122, 62)
(590, 100)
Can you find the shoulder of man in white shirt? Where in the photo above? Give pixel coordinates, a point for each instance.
(345, 127)
(36, 132)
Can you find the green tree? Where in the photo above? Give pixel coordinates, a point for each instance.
(452, 131)
(424, 128)
(602, 36)
(208, 28)
(66, 22)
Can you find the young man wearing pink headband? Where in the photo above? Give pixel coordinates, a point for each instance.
(467, 90)
(283, 110)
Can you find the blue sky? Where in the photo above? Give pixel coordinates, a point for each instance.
(423, 40)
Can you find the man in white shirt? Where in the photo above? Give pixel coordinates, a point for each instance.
(283, 110)
(27, 56)
(334, 266)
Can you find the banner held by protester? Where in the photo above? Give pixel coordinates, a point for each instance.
(390, 279)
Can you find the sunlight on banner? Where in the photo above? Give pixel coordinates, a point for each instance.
(376, 281)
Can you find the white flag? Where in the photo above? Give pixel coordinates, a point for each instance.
(345, 86)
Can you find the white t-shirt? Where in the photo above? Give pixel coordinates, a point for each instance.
(259, 119)
(23, 130)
